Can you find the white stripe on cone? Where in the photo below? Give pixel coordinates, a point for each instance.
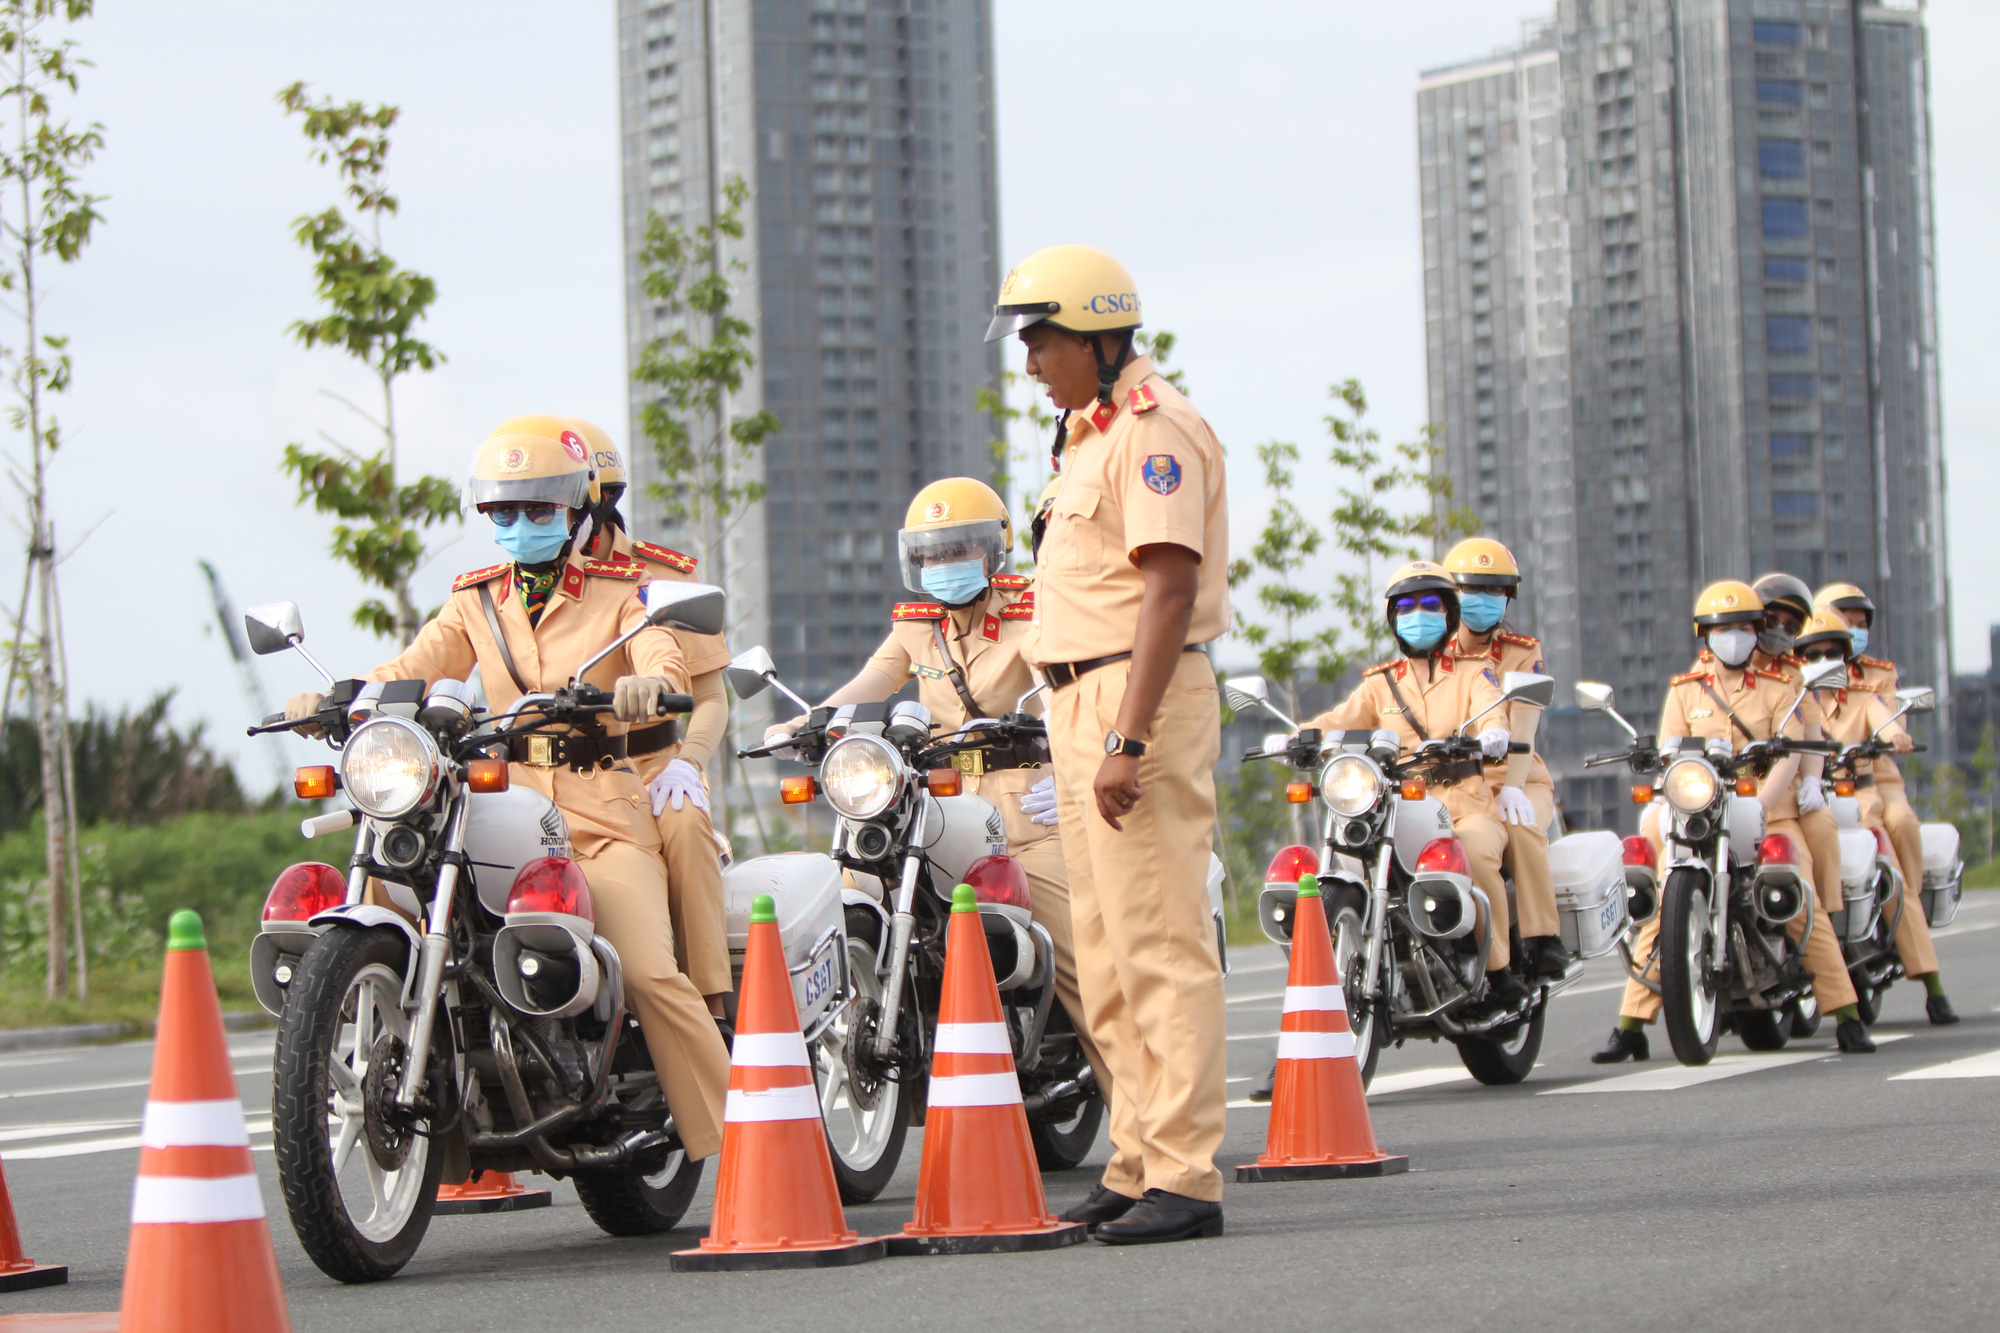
(183, 1199)
(769, 1050)
(798, 1102)
(1314, 1000)
(975, 1090)
(194, 1125)
(1315, 1045)
(973, 1039)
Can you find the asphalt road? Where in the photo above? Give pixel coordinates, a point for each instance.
(1801, 1190)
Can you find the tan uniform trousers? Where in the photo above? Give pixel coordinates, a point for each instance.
(1147, 969)
(1822, 833)
(1884, 806)
(1475, 824)
(1832, 987)
(1527, 860)
(694, 897)
(628, 888)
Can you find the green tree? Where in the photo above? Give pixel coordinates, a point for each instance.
(372, 306)
(1288, 651)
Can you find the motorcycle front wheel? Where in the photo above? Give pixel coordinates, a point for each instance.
(1804, 1015)
(1347, 916)
(627, 1204)
(359, 1187)
(1509, 1056)
(866, 1120)
(1688, 992)
(1765, 1029)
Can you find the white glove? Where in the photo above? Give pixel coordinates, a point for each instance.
(678, 782)
(1516, 808)
(1038, 803)
(1494, 741)
(1812, 796)
(784, 731)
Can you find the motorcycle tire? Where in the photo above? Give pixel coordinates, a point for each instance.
(1764, 1029)
(1346, 918)
(1688, 997)
(1063, 1146)
(1804, 1013)
(865, 1142)
(348, 982)
(1503, 1059)
(1868, 999)
(626, 1204)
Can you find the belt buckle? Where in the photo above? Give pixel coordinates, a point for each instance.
(972, 763)
(541, 752)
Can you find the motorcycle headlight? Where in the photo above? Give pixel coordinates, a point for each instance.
(1690, 786)
(1350, 784)
(861, 776)
(389, 767)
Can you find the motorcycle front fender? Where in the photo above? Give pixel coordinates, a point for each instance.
(856, 898)
(367, 916)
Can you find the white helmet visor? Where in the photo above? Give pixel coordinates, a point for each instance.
(984, 540)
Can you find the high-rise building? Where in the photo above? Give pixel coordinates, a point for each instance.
(1748, 376)
(864, 129)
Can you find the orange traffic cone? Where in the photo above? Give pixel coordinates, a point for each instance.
(488, 1192)
(1319, 1110)
(979, 1190)
(201, 1256)
(17, 1271)
(776, 1202)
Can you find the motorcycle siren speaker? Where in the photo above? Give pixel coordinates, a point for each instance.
(1440, 899)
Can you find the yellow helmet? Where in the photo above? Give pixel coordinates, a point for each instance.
(604, 455)
(1727, 602)
(1827, 625)
(1070, 287)
(533, 459)
(1846, 597)
(1481, 562)
(951, 521)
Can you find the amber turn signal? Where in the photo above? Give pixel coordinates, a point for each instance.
(1844, 787)
(486, 775)
(797, 790)
(1298, 793)
(1746, 786)
(944, 781)
(1642, 793)
(1414, 789)
(315, 783)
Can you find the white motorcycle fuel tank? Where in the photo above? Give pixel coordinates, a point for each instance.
(958, 830)
(1417, 823)
(504, 830)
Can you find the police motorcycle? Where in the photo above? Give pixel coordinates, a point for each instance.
(1730, 891)
(1410, 928)
(470, 1018)
(1871, 880)
(907, 834)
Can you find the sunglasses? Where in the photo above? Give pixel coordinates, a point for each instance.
(1819, 654)
(1784, 621)
(1428, 602)
(504, 512)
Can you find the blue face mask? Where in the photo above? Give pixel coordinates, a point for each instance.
(532, 543)
(1421, 630)
(1481, 611)
(957, 583)
(1860, 640)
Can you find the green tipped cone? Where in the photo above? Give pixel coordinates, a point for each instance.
(963, 899)
(1308, 886)
(763, 910)
(184, 930)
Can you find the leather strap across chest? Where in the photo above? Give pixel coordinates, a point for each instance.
(1709, 690)
(1409, 715)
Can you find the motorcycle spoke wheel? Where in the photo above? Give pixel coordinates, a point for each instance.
(1062, 1145)
(865, 1119)
(1690, 998)
(1350, 956)
(1507, 1056)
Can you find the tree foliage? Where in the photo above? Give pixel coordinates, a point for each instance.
(372, 308)
(133, 767)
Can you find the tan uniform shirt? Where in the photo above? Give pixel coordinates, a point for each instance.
(1143, 470)
(1872, 673)
(704, 652)
(1435, 702)
(593, 603)
(1758, 701)
(1507, 652)
(1852, 715)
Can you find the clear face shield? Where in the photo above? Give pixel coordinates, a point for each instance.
(983, 541)
(570, 490)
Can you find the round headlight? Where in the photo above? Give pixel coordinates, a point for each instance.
(861, 776)
(1350, 784)
(388, 767)
(1690, 786)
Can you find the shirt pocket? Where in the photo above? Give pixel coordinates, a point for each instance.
(1075, 538)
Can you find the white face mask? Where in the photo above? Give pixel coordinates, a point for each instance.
(1732, 647)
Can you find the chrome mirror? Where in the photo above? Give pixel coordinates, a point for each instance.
(749, 672)
(1917, 699)
(1829, 673)
(1528, 687)
(699, 608)
(273, 627)
(1246, 692)
(1592, 697)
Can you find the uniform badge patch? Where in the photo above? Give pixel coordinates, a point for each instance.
(991, 629)
(1488, 673)
(922, 672)
(1162, 473)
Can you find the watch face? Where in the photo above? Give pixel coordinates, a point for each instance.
(1113, 742)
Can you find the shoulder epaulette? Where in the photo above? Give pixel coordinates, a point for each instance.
(604, 569)
(1518, 640)
(1704, 656)
(1381, 667)
(477, 577)
(1018, 611)
(1686, 676)
(1010, 582)
(665, 555)
(1876, 662)
(1793, 660)
(917, 611)
(1778, 676)
(1142, 400)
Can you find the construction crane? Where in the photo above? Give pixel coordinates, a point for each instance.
(246, 667)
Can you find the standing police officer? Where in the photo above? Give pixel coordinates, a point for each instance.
(1132, 582)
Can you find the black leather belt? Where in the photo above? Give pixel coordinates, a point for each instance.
(978, 763)
(1066, 673)
(1866, 780)
(1464, 768)
(569, 750)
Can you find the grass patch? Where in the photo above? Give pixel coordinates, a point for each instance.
(1985, 876)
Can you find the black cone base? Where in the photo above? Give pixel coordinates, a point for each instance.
(1387, 1166)
(41, 1275)
(753, 1261)
(1013, 1242)
(512, 1203)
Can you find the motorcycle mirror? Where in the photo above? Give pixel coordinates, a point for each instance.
(1526, 687)
(1917, 699)
(749, 672)
(1246, 692)
(1827, 674)
(699, 608)
(1592, 697)
(273, 627)
(1021, 704)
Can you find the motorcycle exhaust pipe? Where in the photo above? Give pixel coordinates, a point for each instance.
(544, 971)
(1441, 907)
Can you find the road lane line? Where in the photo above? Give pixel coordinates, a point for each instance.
(1723, 1066)
(1968, 929)
(24, 1061)
(1972, 1066)
(1254, 996)
(108, 1087)
(1251, 1036)
(1406, 1080)
(1258, 967)
(1590, 990)
(91, 1146)
(22, 1133)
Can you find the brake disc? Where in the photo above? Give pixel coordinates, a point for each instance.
(388, 1126)
(864, 1083)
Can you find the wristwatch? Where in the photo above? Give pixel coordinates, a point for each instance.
(1116, 744)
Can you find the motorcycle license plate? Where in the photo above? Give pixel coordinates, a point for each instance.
(818, 981)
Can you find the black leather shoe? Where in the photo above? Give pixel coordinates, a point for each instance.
(1546, 955)
(1163, 1216)
(1624, 1045)
(1937, 1006)
(1852, 1035)
(1508, 989)
(1261, 1090)
(1104, 1205)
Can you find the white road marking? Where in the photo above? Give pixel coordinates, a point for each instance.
(23, 1061)
(110, 1087)
(1407, 1080)
(1676, 1076)
(1251, 1036)
(91, 1146)
(21, 1133)
(1591, 990)
(1950, 931)
(1259, 967)
(1254, 996)
(1972, 1066)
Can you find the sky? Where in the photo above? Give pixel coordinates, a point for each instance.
(1257, 175)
